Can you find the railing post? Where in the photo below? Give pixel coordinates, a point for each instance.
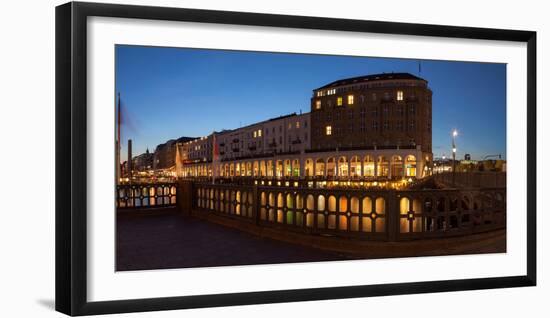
(255, 204)
(392, 215)
(185, 197)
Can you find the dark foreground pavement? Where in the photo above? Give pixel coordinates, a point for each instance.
(169, 241)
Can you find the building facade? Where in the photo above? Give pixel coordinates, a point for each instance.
(283, 134)
(382, 110)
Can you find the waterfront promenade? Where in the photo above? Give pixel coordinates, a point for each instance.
(163, 239)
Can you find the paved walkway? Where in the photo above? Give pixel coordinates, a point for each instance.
(170, 241)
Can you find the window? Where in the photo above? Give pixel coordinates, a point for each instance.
(350, 99)
(399, 95)
(329, 130)
(339, 101)
(374, 125)
(259, 132)
(289, 125)
(373, 96)
(297, 124)
(331, 91)
(255, 134)
(412, 109)
(318, 104)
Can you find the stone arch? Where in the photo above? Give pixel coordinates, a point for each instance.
(382, 166)
(320, 167)
(368, 166)
(397, 166)
(410, 166)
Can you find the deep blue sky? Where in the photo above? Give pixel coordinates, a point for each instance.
(172, 92)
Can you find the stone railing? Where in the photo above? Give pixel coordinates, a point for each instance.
(389, 215)
(145, 195)
(474, 179)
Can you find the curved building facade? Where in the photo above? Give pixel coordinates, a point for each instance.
(382, 110)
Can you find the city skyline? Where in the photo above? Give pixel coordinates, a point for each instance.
(172, 92)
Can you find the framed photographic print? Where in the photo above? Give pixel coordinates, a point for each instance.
(210, 158)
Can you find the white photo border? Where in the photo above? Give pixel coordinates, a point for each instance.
(104, 283)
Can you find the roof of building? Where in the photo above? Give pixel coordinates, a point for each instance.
(184, 139)
(372, 78)
(280, 117)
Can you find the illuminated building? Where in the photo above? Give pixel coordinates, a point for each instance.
(375, 126)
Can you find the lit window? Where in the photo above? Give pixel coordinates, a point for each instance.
(329, 130)
(350, 99)
(399, 95)
(318, 104)
(297, 124)
(339, 101)
(255, 134)
(259, 132)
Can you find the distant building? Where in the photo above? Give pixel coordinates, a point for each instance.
(165, 154)
(144, 161)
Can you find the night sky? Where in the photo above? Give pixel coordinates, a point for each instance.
(172, 92)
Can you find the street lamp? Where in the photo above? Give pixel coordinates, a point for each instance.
(455, 133)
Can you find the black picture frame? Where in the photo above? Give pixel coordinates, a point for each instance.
(71, 157)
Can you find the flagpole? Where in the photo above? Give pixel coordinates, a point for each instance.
(118, 172)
